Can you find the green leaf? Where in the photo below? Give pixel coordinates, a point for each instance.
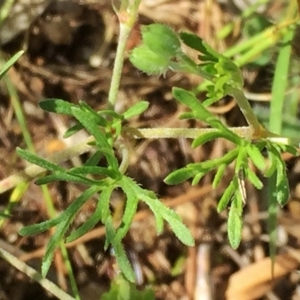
(94, 159)
(283, 191)
(123, 262)
(196, 43)
(52, 245)
(256, 156)
(95, 217)
(59, 176)
(207, 137)
(73, 130)
(130, 207)
(219, 175)
(181, 175)
(235, 220)
(198, 177)
(41, 227)
(147, 61)
(104, 199)
(227, 195)
(272, 165)
(252, 177)
(94, 170)
(228, 134)
(66, 215)
(161, 40)
(272, 217)
(189, 99)
(110, 232)
(241, 160)
(39, 161)
(158, 208)
(179, 229)
(116, 291)
(86, 119)
(289, 149)
(57, 106)
(10, 62)
(136, 110)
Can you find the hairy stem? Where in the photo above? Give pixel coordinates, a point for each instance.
(127, 17)
(33, 171)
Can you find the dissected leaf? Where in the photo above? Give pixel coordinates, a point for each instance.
(110, 232)
(198, 177)
(95, 217)
(272, 164)
(219, 175)
(283, 191)
(290, 149)
(252, 177)
(130, 207)
(34, 159)
(207, 137)
(94, 159)
(179, 229)
(66, 215)
(57, 105)
(73, 130)
(86, 119)
(189, 99)
(256, 157)
(235, 220)
(241, 159)
(272, 217)
(181, 175)
(123, 261)
(116, 291)
(94, 170)
(105, 202)
(60, 176)
(227, 195)
(195, 42)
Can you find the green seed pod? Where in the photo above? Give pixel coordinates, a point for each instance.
(161, 40)
(147, 61)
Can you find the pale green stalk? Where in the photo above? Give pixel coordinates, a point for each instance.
(5, 9)
(33, 171)
(127, 17)
(49, 202)
(34, 275)
(279, 87)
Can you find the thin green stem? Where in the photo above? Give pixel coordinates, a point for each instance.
(19, 112)
(5, 10)
(280, 83)
(48, 199)
(127, 15)
(247, 111)
(125, 30)
(69, 270)
(279, 86)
